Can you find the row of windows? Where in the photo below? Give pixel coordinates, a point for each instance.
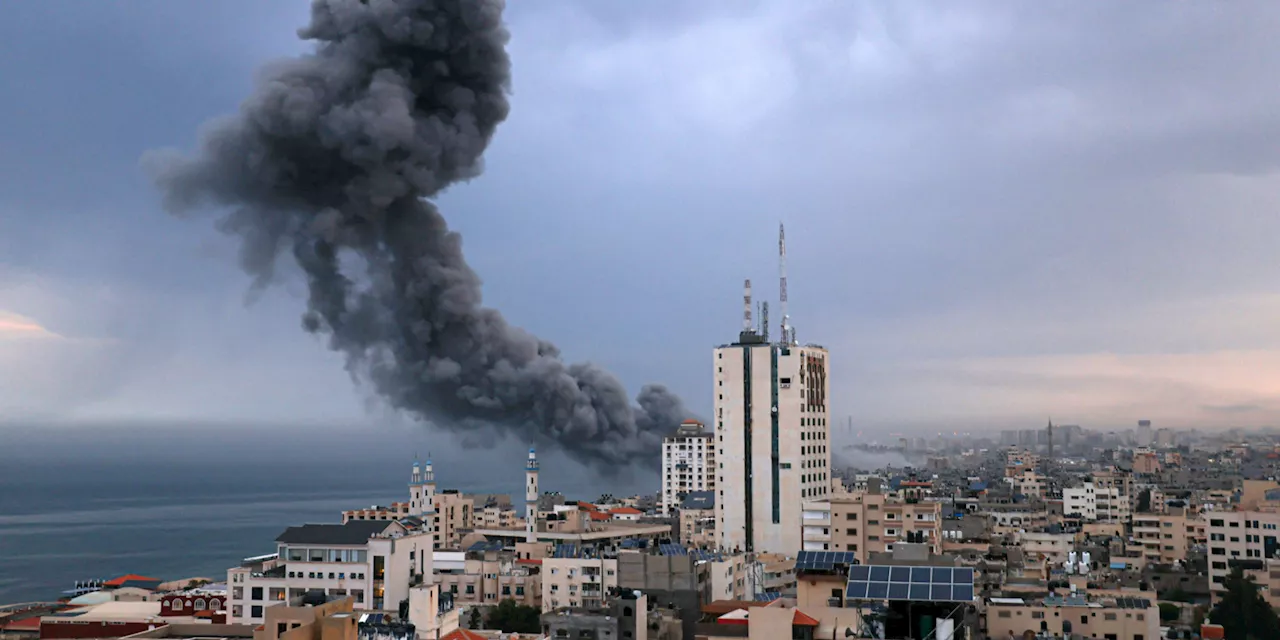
(319, 575)
(198, 605)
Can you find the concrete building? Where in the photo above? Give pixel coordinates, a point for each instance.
(688, 464)
(1236, 536)
(1130, 618)
(375, 562)
(453, 518)
(487, 575)
(1166, 537)
(1093, 503)
(698, 520)
(868, 522)
(1143, 436)
(771, 439)
(577, 582)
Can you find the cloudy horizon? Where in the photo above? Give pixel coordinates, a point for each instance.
(996, 213)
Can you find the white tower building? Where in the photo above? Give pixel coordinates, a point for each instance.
(688, 464)
(772, 434)
(531, 497)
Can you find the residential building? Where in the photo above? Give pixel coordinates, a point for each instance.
(698, 520)
(1092, 503)
(688, 464)
(453, 518)
(577, 581)
(771, 439)
(868, 522)
(1166, 537)
(486, 574)
(1236, 536)
(373, 561)
(1127, 618)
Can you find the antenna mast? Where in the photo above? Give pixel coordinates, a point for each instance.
(782, 285)
(746, 306)
(764, 320)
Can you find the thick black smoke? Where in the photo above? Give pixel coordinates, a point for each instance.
(334, 157)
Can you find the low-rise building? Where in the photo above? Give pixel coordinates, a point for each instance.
(870, 521)
(373, 561)
(1130, 618)
(698, 520)
(577, 581)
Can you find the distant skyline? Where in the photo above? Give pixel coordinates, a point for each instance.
(996, 213)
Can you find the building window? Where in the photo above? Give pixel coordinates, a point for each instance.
(255, 611)
(257, 594)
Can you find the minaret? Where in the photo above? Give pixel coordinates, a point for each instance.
(428, 510)
(531, 498)
(416, 489)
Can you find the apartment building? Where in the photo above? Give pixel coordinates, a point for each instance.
(868, 522)
(688, 464)
(373, 561)
(698, 520)
(577, 582)
(1236, 536)
(1117, 618)
(1166, 537)
(1093, 503)
(453, 518)
(487, 575)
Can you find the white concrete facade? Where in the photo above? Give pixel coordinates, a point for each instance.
(1094, 503)
(688, 464)
(771, 441)
(376, 574)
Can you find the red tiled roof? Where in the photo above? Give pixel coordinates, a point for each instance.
(529, 561)
(132, 577)
(800, 618)
(463, 634)
(587, 506)
(627, 511)
(596, 515)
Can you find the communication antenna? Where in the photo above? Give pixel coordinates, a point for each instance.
(746, 306)
(764, 320)
(782, 283)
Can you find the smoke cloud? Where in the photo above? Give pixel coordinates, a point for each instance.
(333, 160)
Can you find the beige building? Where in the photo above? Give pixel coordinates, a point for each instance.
(1239, 536)
(688, 464)
(577, 582)
(1124, 618)
(490, 576)
(771, 438)
(698, 520)
(453, 518)
(868, 522)
(1166, 537)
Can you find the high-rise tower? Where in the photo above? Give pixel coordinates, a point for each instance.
(531, 497)
(772, 436)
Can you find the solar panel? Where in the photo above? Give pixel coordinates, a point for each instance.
(668, 549)
(934, 584)
(565, 551)
(824, 560)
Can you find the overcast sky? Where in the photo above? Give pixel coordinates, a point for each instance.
(996, 212)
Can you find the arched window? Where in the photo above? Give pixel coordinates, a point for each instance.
(215, 604)
(199, 604)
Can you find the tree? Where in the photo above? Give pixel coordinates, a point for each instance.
(1169, 611)
(474, 621)
(1243, 612)
(509, 617)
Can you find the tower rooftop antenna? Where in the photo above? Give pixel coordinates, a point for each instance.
(782, 284)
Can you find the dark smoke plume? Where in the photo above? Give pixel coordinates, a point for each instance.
(334, 157)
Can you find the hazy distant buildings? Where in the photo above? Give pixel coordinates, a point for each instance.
(688, 464)
(1143, 437)
(771, 438)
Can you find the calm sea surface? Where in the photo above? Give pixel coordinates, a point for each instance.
(172, 503)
